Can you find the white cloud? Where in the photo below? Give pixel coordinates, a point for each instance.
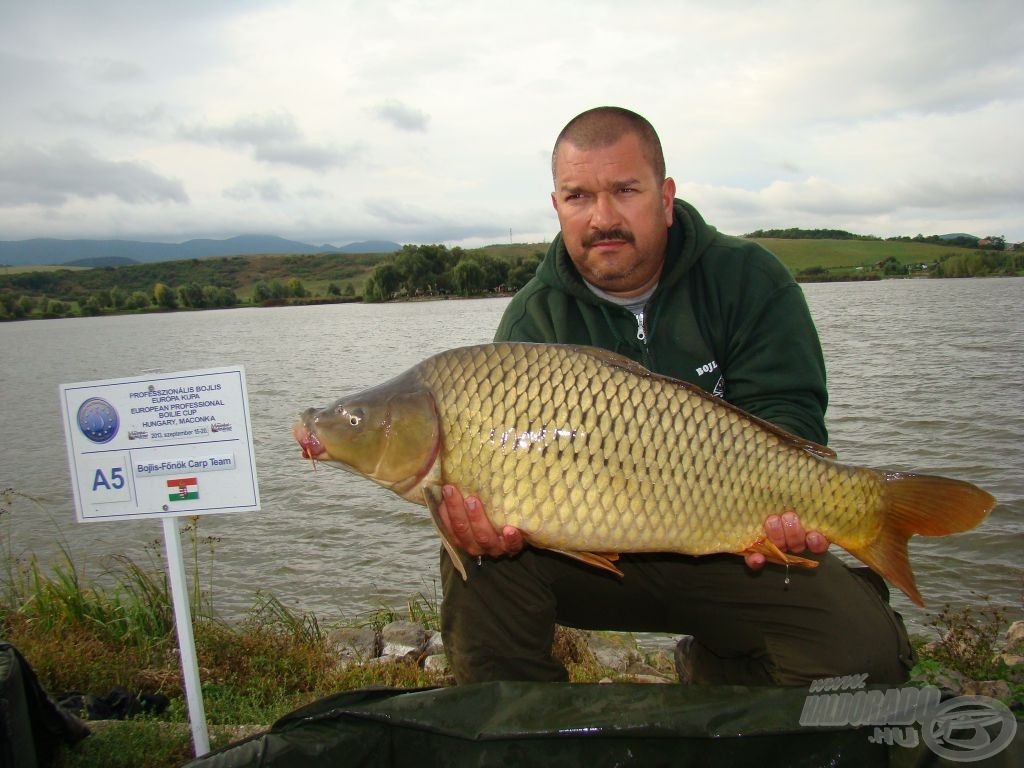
(270, 190)
(274, 138)
(51, 177)
(341, 120)
(401, 116)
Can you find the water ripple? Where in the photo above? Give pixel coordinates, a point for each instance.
(924, 376)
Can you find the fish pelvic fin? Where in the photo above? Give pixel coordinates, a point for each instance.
(773, 554)
(433, 497)
(602, 560)
(928, 506)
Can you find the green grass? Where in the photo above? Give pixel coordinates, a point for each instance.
(849, 254)
(252, 673)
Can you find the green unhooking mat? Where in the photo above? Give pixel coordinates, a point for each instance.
(592, 725)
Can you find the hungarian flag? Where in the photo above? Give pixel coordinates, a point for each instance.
(184, 489)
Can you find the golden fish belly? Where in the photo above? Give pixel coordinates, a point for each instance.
(583, 453)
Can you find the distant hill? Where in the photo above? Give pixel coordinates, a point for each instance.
(368, 246)
(94, 253)
(101, 261)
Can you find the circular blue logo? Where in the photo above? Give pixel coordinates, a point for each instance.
(98, 420)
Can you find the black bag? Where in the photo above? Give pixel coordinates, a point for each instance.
(32, 726)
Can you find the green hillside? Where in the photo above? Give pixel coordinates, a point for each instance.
(419, 271)
(800, 255)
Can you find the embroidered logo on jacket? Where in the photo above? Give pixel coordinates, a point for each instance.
(708, 368)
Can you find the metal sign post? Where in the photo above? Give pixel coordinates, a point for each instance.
(167, 446)
(186, 640)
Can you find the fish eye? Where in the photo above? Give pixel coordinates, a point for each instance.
(353, 417)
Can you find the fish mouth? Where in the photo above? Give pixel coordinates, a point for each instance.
(311, 446)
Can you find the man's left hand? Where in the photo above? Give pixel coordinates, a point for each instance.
(786, 532)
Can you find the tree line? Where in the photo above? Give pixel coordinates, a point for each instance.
(434, 270)
(982, 263)
(796, 233)
(15, 306)
(416, 270)
(988, 243)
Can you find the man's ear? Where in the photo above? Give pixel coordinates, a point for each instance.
(668, 196)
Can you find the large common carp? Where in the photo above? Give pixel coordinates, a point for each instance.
(589, 453)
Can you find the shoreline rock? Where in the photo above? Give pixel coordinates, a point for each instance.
(616, 656)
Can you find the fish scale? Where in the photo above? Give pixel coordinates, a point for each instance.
(652, 498)
(588, 452)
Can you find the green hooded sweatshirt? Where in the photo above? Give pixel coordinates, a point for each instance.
(726, 316)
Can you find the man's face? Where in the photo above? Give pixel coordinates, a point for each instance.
(614, 214)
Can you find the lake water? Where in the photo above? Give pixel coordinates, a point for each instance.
(925, 375)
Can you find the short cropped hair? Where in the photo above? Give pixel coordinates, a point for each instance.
(603, 126)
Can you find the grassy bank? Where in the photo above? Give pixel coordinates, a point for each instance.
(92, 635)
(95, 635)
(92, 638)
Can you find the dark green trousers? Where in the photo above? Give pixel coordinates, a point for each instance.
(751, 627)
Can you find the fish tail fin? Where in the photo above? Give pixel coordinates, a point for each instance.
(925, 505)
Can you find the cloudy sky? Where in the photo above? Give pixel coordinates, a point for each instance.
(333, 121)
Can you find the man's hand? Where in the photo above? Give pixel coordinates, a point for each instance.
(470, 530)
(786, 532)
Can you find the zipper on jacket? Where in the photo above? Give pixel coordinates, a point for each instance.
(641, 332)
(623, 345)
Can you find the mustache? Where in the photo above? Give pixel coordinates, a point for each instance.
(607, 234)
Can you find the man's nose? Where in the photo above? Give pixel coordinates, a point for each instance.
(605, 214)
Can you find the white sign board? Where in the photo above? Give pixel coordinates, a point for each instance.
(165, 444)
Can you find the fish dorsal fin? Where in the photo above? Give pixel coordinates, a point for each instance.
(787, 438)
(613, 359)
(632, 366)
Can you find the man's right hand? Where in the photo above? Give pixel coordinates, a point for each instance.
(470, 530)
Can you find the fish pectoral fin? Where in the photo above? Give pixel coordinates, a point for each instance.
(432, 496)
(773, 554)
(602, 560)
